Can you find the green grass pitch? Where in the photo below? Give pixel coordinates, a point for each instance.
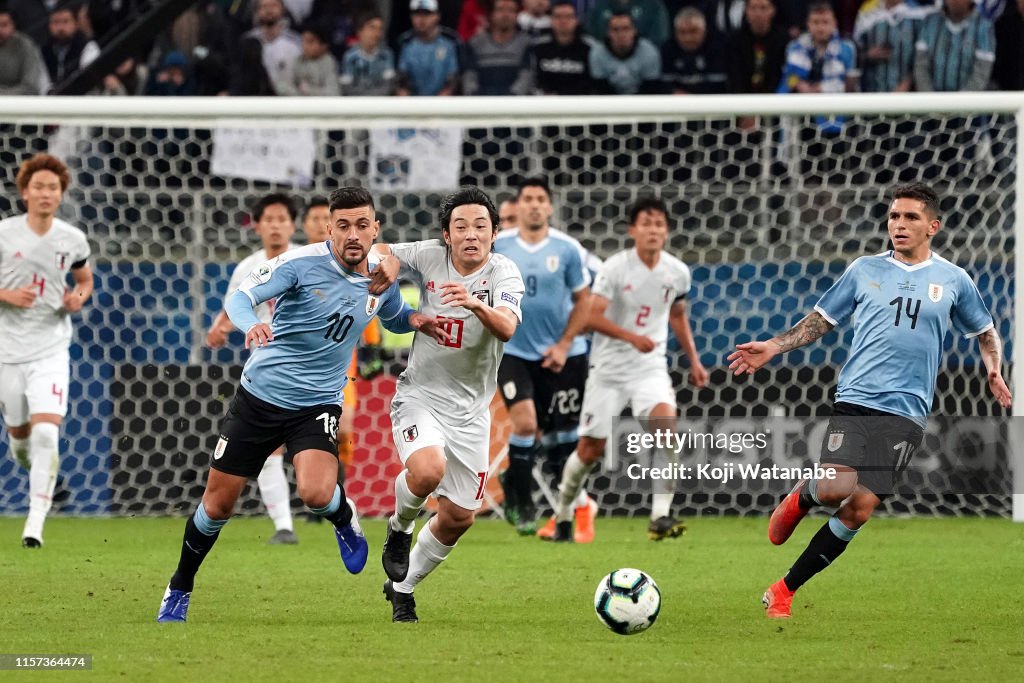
(916, 599)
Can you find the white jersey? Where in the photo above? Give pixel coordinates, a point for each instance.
(265, 311)
(457, 378)
(28, 334)
(639, 301)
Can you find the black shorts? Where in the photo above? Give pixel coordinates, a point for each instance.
(253, 429)
(557, 396)
(877, 444)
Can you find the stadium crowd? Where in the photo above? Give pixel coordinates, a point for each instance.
(508, 47)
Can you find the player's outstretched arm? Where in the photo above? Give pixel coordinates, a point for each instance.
(680, 323)
(599, 323)
(991, 353)
(753, 356)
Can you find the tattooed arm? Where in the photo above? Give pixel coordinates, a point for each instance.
(991, 353)
(754, 355)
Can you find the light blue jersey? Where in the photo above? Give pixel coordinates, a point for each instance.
(901, 315)
(552, 270)
(320, 314)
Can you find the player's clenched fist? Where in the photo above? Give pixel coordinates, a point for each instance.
(259, 334)
(22, 298)
(642, 344)
(455, 294)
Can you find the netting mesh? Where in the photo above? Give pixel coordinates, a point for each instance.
(766, 217)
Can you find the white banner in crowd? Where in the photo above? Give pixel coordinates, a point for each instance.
(415, 159)
(274, 155)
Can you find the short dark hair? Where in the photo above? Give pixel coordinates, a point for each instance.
(365, 18)
(820, 6)
(464, 196)
(351, 197)
(534, 181)
(270, 200)
(319, 29)
(317, 200)
(922, 192)
(646, 204)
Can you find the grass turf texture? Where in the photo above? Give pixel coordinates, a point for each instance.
(922, 599)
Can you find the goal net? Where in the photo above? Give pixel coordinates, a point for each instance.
(770, 200)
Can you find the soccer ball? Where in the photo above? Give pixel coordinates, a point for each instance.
(627, 601)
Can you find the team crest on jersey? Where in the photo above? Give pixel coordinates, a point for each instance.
(410, 433)
(484, 295)
(935, 293)
(262, 273)
(430, 286)
(371, 304)
(222, 444)
(61, 259)
(552, 264)
(835, 442)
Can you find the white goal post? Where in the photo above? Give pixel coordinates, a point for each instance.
(23, 123)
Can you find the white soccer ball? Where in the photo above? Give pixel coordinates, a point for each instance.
(627, 601)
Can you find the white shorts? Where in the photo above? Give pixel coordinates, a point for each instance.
(603, 401)
(34, 388)
(465, 443)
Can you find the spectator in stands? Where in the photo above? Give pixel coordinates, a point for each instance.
(428, 62)
(173, 78)
(129, 78)
(756, 52)
(68, 48)
(498, 59)
(535, 20)
(340, 17)
(819, 61)
(315, 72)
(955, 49)
(281, 45)
(369, 65)
(249, 76)
(884, 34)
(625, 64)
(650, 18)
(562, 63)
(21, 65)
(693, 63)
(1008, 70)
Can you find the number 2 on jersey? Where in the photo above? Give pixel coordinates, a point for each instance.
(641, 317)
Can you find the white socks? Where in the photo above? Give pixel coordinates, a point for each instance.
(582, 499)
(424, 558)
(275, 492)
(407, 508)
(42, 476)
(573, 474)
(19, 451)
(662, 490)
